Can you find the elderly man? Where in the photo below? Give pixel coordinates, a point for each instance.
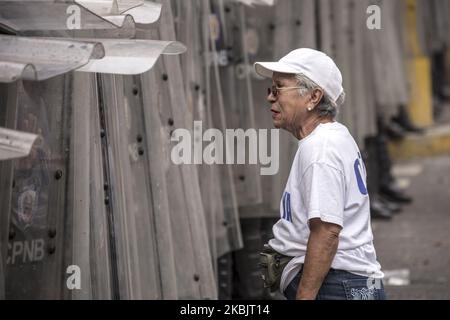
(325, 216)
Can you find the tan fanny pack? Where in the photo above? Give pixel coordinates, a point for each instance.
(272, 264)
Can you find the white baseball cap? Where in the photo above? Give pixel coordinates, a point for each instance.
(314, 64)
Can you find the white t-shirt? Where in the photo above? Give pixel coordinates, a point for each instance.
(327, 181)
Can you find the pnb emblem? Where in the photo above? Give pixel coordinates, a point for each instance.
(287, 215)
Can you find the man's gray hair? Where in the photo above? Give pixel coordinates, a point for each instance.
(326, 106)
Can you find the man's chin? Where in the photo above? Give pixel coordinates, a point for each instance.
(277, 124)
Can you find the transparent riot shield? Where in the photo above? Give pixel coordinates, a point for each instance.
(37, 199)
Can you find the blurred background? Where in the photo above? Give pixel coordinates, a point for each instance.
(91, 93)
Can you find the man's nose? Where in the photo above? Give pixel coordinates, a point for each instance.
(271, 98)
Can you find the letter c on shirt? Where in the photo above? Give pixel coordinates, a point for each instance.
(361, 186)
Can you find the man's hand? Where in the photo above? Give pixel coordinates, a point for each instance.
(322, 246)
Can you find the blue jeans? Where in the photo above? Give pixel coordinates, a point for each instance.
(342, 285)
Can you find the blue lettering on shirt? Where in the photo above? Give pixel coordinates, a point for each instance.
(361, 186)
(287, 215)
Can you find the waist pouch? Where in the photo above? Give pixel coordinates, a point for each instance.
(272, 265)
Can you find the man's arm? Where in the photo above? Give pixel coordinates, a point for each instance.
(322, 246)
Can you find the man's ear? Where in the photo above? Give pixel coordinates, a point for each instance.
(316, 96)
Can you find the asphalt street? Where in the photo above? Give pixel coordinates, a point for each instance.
(414, 247)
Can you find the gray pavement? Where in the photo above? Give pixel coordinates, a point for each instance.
(418, 239)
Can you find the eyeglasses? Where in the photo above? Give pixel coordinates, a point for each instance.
(274, 90)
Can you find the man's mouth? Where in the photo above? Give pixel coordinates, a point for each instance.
(275, 113)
